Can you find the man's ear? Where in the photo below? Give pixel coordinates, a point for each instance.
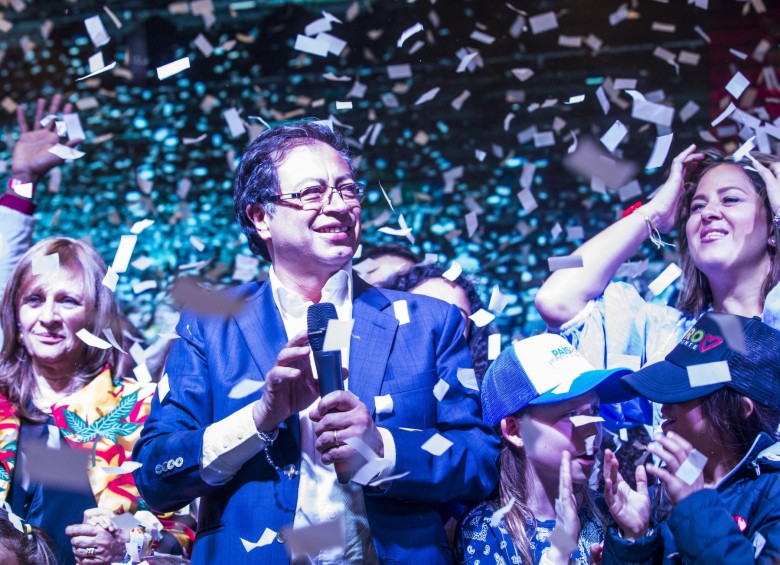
(510, 429)
(258, 216)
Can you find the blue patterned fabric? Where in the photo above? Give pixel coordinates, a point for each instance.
(479, 543)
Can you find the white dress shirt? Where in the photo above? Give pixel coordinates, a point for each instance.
(229, 443)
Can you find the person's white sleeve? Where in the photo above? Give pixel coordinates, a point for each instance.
(227, 445)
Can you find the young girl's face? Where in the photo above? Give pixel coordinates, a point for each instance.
(548, 431)
(685, 419)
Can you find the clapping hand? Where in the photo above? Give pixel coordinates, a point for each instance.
(673, 450)
(289, 385)
(630, 508)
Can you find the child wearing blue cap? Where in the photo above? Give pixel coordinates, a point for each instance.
(543, 399)
(718, 457)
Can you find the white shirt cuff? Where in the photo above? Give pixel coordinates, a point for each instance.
(390, 455)
(227, 445)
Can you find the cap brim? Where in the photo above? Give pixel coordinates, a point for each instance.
(665, 382)
(607, 384)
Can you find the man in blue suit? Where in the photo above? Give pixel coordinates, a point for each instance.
(263, 462)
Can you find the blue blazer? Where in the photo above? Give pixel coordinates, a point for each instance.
(404, 361)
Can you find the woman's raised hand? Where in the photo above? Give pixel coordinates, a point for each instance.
(629, 507)
(31, 158)
(662, 208)
(771, 177)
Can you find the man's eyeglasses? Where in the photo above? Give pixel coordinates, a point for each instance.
(315, 197)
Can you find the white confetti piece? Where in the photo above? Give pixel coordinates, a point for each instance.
(660, 151)
(66, 153)
(705, 374)
(612, 138)
(197, 243)
(45, 264)
(437, 444)
(311, 45)
(163, 387)
(724, 114)
(335, 45)
(112, 340)
(458, 102)
(92, 340)
(498, 300)
(466, 61)
(583, 420)
(383, 404)
(692, 467)
(113, 17)
(482, 37)
(498, 515)
(111, 278)
(482, 317)
(193, 140)
(395, 72)
(670, 274)
(23, 189)
(737, 85)
(245, 387)
(688, 110)
(409, 32)
(143, 286)
(401, 311)
(343, 105)
(428, 96)
(440, 389)
(126, 521)
(652, 112)
(96, 31)
(468, 378)
(142, 374)
(123, 253)
(203, 45)
(453, 272)
(590, 445)
(494, 346)
(523, 74)
(543, 22)
(472, 223)
(744, 149)
(141, 225)
(759, 542)
(564, 262)
(267, 538)
(338, 335)
(124, 469)
(234, 122)
(173, 68)
(527, 200)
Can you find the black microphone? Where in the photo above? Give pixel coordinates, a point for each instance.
(330, 376)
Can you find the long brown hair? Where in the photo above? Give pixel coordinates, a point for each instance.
(696, 294)
(724, 412)
(76, 258)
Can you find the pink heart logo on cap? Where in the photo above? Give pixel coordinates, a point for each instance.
(709, 342)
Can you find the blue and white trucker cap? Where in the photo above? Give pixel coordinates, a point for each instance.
(544, 369)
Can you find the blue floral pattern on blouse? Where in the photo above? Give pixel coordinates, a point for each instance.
(479, 543)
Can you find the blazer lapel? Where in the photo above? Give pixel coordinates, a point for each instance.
(261, 325)
(371, 343)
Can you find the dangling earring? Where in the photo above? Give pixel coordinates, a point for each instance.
(19, 338)
(772, 241)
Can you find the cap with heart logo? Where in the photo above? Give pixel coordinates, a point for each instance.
(750, 347)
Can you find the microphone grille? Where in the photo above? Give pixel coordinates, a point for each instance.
(317, 318)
